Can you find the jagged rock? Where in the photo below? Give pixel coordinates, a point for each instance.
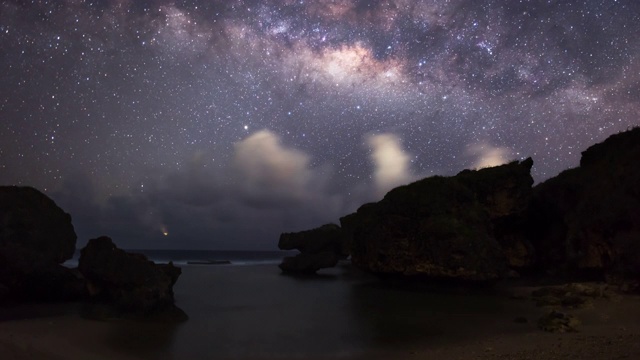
(480, 225)
(129, 281)
(558, 322)
(309, 263)
(442, 227)
(325, 238)
(573, 295)
(36, 236)
(586, 221)
(319, 248)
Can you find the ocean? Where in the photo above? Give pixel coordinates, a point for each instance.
(249, 310)
(183, 257)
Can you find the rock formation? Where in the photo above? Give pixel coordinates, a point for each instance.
(319, 248)
(36, 236)
(131, 282)
(444, 227)
(558, 322)
(583, 223)
(586, 221)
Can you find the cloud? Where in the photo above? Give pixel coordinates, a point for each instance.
(487, 155)
(265, 189)
(390, 161)
(266, 166)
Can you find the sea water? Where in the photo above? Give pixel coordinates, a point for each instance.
(183, 257)
(249, 310)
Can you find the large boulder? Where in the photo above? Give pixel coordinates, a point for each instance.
(586, 221)
(130, 282)
(442, 227)
(319, 248)
(36, 236)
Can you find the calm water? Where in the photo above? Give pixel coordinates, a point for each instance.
(181, 257)
(255, 312)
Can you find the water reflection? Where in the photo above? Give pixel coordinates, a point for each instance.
(395, 315)
(143, 339)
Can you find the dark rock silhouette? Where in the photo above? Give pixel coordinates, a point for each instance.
(445, 227)
(319, 248)
(130, 282)
(586, 221)
(481, 225)
(309, 263)
(36, 236)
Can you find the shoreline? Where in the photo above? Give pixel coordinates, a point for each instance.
(609, 331)
(609, 328)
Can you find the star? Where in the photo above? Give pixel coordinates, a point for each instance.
(99, 98)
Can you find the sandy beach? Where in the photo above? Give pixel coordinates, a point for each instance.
(609, 329)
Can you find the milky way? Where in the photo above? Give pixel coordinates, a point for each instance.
(220, 124)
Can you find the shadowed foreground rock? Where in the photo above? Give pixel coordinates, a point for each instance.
(36, 236)
(309, 263)
(481, 225)
(586, 221)
(444, 227)
(130, 282)
(558, 322)
(319, 248)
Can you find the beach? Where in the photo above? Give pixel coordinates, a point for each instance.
(254, 312)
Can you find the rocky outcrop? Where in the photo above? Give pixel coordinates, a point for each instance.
(505, 191)
(319, 248)
(558, 322)
(586, 221)
(309, 263)
(130, 282)
(571, 296)
(445, 227)
(36, 236)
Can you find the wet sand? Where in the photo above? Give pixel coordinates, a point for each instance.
(610, 329)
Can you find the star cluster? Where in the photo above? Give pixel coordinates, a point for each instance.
(219, 124)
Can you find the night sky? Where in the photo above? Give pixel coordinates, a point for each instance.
(220, 124)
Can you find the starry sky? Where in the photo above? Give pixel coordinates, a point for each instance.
(220, 124)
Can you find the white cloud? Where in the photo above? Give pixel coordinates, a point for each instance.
(266, 166)
(488, 155)
(390, 161)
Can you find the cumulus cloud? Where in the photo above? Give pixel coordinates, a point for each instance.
(390, 161)
(266, 166)
(267, 188)
(487, 155)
